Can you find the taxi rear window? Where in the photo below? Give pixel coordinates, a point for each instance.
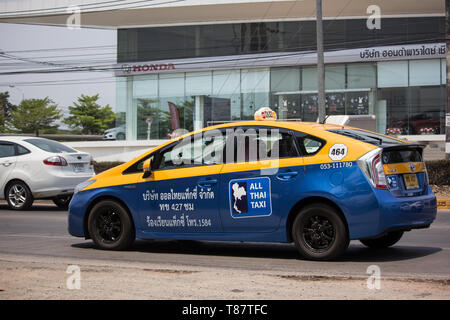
(308, 145)
(399, 156)
(369, 137)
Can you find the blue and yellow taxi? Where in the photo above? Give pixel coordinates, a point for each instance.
(317, 185)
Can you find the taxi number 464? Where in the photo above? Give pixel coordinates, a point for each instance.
(338, 152)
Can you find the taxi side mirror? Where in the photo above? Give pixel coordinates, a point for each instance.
(147, 168)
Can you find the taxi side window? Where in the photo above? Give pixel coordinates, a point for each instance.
(253, 144)
(308, 145)
(195, 150)
(138, 167)
(281, 142)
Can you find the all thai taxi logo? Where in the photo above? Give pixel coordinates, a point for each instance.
(250, 197)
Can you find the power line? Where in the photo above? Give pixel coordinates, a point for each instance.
(93, 6)
(111, 67)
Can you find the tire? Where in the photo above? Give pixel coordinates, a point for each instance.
(120, 136)
(385, 241)
(320, 233)
(110, 226)
(62, 202)
(18, 196)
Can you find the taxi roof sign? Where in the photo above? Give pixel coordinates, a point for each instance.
(264, 114)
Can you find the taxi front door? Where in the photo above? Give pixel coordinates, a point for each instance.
(181, 196)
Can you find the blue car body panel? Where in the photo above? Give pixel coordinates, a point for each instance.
(193, 208)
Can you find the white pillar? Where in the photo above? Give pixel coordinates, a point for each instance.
(199, 111)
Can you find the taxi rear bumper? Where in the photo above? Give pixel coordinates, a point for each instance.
(404, 213)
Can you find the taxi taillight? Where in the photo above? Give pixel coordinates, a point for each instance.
(372, 167)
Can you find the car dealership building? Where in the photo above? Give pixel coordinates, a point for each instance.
(190, 64)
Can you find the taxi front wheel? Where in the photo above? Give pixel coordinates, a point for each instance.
(319, 233)
(110, 226)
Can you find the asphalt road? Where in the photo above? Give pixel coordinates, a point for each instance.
(41, 233)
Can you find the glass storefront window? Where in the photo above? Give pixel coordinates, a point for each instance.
(357, 103)
(427, 110)
(255, 84)
(424, 72)
(226, 96)
(392, 74)
(335, 77)
(154, 106)
(285, 79)
(121, 102)
(361, 75)
(210, 40)
(396, 110)
(309, 78)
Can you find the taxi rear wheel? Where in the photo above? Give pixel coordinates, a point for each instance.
(319, 233)
(385, 241)
(110, 226)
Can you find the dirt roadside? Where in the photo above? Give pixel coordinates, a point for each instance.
(442, 191)
(23, 279)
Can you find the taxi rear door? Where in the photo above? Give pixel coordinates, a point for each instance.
(262, 171)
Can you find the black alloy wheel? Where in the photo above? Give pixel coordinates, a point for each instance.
(319, 232)
(110, 226)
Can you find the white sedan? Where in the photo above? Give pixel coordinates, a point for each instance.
(36, 168)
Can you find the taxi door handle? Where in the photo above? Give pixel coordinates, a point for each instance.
(287, 175)
(207, 183)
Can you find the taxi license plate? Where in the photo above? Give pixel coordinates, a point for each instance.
(411, 181)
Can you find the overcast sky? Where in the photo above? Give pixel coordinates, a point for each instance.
(61, 46)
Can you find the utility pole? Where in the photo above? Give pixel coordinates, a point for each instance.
(447, 107)
(320, 63)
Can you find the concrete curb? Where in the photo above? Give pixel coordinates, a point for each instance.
(443, 203)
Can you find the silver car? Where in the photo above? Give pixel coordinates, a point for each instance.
(117, 133)
(36, 168)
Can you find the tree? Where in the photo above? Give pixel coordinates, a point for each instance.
(90, 117)
(33, 115)
(6, 108)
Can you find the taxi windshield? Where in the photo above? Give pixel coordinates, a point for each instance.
(369, 137)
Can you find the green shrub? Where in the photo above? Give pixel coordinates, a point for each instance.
(439, 172)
